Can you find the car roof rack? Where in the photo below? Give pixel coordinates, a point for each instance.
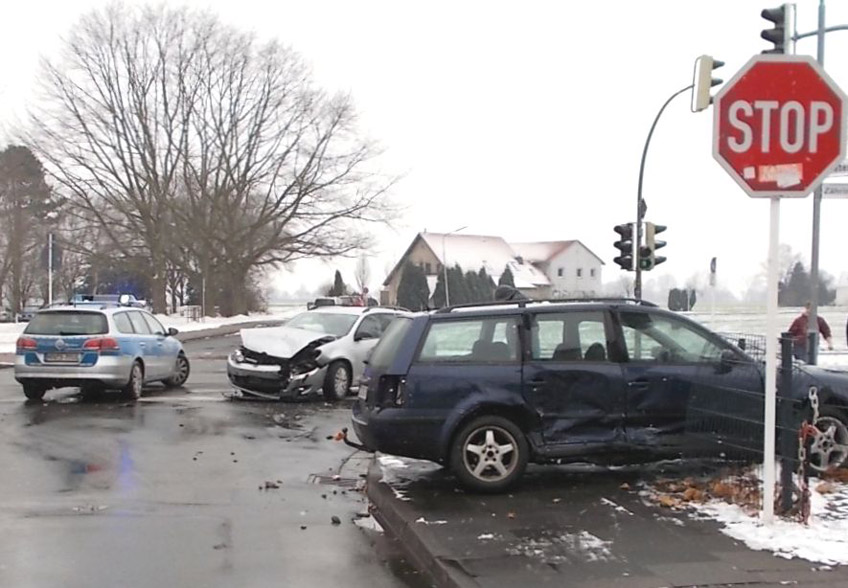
(524, 302)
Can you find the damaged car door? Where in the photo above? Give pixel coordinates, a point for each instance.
(572, 383)
(668, 360)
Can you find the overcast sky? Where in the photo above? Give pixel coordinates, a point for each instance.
(523, 119)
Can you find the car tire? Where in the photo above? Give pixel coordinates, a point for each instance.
(830, 450)
(34, 391)
(132, 389)
(337, 381)
(489, 454)
(183, 369)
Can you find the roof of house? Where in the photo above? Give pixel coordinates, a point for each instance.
(545, 251)
(471, 252)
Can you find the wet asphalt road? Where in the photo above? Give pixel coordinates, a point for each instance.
(171, 490)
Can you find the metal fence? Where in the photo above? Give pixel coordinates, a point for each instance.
(726, 420)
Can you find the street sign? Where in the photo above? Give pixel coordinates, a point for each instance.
(779, 126)
(841, 169)
(834, 190)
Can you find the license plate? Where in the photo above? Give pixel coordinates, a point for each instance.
(363, 392)
(62, 357)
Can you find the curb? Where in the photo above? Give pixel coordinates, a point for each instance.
(417, 541)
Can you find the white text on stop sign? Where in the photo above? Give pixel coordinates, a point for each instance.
(796, 125)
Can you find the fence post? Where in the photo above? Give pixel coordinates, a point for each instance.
(785, 427)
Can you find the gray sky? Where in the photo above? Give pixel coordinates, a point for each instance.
(523, 119)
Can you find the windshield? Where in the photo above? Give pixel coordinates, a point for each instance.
(68, 323)
(324, 322)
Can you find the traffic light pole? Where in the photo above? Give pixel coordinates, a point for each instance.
(813, 320)
(641, 206)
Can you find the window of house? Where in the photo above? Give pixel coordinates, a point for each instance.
(427, 269)
(560, 272)
(592, 272)
(579, 272)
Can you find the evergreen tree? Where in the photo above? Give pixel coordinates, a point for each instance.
(472, 282)
(339, 288)
(486, 284)
(506, 278)
(457, 288)
(439, 292)
(413, 292)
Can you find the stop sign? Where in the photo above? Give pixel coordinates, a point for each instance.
(780, 125)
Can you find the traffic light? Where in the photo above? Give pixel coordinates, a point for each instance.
(783, 32)
(648, 258)
(625, 245)
(702, 81)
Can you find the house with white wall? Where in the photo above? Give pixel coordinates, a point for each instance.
(573, 270)
(552, 269)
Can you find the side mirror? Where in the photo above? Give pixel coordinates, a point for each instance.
(726, 361)
(361, 335)
(123, 299)
(172, 331)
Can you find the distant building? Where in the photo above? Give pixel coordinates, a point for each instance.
(551, 269)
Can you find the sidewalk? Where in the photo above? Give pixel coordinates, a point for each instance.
(567, 528)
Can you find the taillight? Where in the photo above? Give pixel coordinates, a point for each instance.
(391, 391)
(102, 344)
(26, 343)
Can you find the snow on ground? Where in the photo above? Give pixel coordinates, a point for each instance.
(9, 332)
(824, 540)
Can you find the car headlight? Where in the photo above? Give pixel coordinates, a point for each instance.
(238, 356)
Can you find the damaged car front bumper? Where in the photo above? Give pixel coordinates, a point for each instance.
(272, 381)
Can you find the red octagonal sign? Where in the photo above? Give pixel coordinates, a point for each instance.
(780, 125)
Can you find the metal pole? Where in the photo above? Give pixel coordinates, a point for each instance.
(813, 321)
(49, 269)
(640, 203)
(771, 366)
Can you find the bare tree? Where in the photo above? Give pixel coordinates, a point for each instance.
(362, 273)
(192, 143)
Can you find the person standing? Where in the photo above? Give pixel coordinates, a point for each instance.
(798, 331)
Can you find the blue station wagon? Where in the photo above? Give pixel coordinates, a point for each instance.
(95, 347)
(487, 389)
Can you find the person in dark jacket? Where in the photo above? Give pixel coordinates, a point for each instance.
(798, 331)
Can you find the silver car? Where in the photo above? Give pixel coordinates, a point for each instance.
(318, 351)
(96, 347)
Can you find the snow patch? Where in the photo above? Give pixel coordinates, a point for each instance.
(615, 506)
(553, 549)
(424, 521)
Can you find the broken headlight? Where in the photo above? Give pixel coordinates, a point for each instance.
(238, 356)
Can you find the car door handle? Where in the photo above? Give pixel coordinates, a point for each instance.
(536, 381)
(142, 344)
(638, 384)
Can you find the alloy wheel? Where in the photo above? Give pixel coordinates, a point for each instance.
(489, 453)
(830, 445)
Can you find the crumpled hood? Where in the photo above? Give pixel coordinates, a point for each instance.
(283, 342)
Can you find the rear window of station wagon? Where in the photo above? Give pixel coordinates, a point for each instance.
(67, 324)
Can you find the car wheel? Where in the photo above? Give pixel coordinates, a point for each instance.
(489, 454)
(829, 449)
(181, 371)
(34, 391)
(337, 381)
(135, 383)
